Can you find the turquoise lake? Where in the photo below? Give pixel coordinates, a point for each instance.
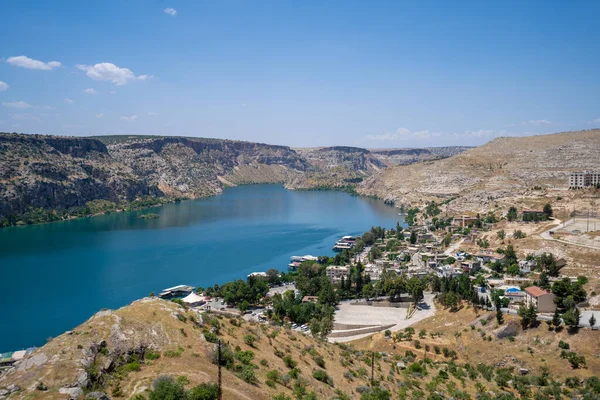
(55, 276)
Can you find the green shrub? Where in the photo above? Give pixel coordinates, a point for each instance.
(290, 362)
(248, 375)
(210, 337)
(322, 376)
(151, 355)
(132, 366)
(204, 391)
(320, 361)
(249, 340)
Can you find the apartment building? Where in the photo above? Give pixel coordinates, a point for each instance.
(584, 179)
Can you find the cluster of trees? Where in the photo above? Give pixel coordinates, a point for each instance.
(41, 215)
(393, 286)
(453, 290)
(165, 387)
(512, 214)
(311, 280)
(241, 293)
(568, 293)
(528, 316)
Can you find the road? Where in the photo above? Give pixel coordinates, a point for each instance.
(452, 248)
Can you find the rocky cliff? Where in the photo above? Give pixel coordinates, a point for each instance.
(504, 168)
(411, 156)
(50, 172)
(44, 178)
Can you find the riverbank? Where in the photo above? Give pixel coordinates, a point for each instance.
(110, 260)
(99, 207)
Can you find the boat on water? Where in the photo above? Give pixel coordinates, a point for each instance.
(295, 261)
(345, 243)
(179, 290)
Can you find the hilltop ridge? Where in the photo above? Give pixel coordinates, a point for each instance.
(502, 168)
(45, 178)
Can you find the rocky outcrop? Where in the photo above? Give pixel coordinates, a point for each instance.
(501, 169)
(65, 174)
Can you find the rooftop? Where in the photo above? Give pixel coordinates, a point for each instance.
(536, 291)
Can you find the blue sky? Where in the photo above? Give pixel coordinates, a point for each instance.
(301, 73)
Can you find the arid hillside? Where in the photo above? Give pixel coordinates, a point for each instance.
(502, 168)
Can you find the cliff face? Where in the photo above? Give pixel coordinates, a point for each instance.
(51, 172)
(65, 173)
(501, 169)
(62, 172)
(411, 156)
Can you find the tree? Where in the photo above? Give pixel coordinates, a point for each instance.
(571, 318)
(592, 321)
(501, 234)
(165, 388)
(327, 296)
(204, 391)
(548, 210)
(556, 321)
(415, 287)
(499, 316)
(273, 276)
(512, 214)
(510, 255)
(413, 237)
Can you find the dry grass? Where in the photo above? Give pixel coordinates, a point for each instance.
(470, 347)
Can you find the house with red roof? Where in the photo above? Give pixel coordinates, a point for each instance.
(542, 299)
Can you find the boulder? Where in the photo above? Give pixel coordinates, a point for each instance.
(72, 392)
(97, 396)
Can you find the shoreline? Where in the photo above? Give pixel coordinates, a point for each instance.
(167, 200)
(317, 245)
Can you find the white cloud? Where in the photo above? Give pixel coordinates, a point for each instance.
(171, 11)
(539, 122)
(30, 63)
(68, 101)
(49, 108)
(596, 121)
(101, 115)
(152, 113)
(112, 92)
(111, 73)
(90, 91)
(16, 104)
(3, 86)
(130, 119)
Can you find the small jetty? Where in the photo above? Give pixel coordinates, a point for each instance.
(345, 243)
(179, 290)
(295, 261)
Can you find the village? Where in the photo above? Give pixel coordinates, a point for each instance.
(369, 280)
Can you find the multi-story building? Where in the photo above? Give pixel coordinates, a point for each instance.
(584, 179)
(540, 299)
(336, 272)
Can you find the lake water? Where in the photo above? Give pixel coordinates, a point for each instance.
(57, 275)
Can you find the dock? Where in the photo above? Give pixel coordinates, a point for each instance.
(179, 290)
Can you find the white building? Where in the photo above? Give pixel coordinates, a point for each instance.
(584, 179)
(336, 272)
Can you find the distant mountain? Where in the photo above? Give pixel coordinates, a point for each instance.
(502, 168)
(78, 176)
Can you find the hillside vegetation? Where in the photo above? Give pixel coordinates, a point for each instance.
(125, 353)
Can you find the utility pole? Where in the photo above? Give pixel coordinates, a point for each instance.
(372, 368)
(219, 365)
